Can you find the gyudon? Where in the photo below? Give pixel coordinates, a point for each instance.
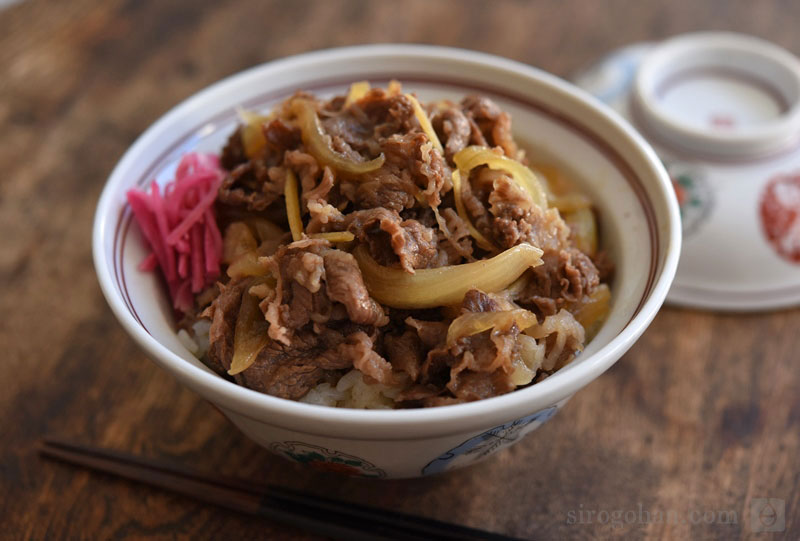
(373, 251)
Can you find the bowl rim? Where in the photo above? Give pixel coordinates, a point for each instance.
(390, 424)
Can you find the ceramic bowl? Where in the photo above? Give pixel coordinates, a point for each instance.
(639, 221)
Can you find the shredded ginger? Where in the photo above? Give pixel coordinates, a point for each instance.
(180, 227)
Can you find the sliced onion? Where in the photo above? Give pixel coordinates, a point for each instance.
(569, 202)
(564, 335)
(238, 240)
(583, 227)
(335, 236)
(425, 123)
(394, 88)
(593, 310)
(473, 323)
(247, 264)
(252, 134)
(293, 205)
(241, 249)
(531, 355)
(474, 156)
(318, 142)
(265, 229)
(561, 193)
(429, 288)
(357, 91)
(250, 335)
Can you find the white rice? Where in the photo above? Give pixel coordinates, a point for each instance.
(188, 342)
(351, 391)
(200, 329)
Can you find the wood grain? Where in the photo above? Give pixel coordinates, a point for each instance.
(702, 415)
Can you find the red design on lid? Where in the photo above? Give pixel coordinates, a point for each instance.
(722, 120)
(780, 215)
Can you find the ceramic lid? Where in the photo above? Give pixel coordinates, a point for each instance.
(723, 112)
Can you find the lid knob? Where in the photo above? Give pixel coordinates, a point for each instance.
(722, 95)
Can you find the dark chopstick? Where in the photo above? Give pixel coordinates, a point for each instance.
(319, 515)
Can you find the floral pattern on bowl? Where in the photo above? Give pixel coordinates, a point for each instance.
(483, 445)
(323, 459)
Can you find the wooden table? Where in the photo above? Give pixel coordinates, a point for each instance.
(698, 419)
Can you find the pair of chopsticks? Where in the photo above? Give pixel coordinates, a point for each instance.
(318, 515)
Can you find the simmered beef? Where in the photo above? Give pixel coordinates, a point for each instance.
(494, 124)
(410, 169)
(296, 360)
(478, 301)
(455, 128)
(233, 151)
(455, 242)
(483, 361)
(344, 284)
(604, 265)
(393, 240)
(319, 320)
(291, 371)
(509, 217)
(389, 114)
(359, 347)
(257, 183)
(406, 353)
(252, 185)
(223, 313)
(431, 333)
(280, 137)
(565, 276)
(301, 269)
(477, 366)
